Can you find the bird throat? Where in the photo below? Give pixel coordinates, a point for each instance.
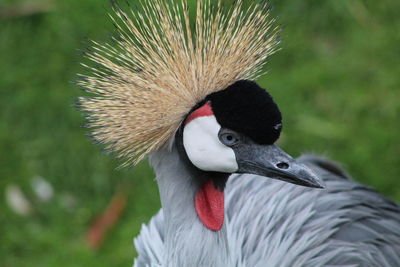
(209, 205)
(209, 197)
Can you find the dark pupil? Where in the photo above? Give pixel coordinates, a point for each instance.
(229, 137)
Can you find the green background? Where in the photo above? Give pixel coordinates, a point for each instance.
(336, 79)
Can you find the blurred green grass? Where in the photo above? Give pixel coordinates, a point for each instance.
(336, 79)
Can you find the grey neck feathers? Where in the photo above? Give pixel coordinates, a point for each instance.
(187, 241)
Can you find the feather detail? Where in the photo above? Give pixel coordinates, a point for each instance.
(162, 62)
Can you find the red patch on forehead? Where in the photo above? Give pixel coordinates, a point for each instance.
(203, 111)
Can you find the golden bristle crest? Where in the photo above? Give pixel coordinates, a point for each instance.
(163, 63)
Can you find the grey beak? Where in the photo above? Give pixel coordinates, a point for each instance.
(273, 162)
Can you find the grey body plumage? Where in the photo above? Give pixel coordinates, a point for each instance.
(273, 223)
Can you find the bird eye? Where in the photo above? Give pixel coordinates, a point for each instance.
(228, 139)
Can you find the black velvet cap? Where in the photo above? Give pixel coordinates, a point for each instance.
(248, 109)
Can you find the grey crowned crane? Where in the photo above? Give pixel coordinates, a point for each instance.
(182, 91)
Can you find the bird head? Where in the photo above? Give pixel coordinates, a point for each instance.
(235, 130)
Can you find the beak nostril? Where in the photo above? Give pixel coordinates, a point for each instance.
(282, 165)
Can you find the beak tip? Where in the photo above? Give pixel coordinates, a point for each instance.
(320, 186)
(318, 182)
(311, 178)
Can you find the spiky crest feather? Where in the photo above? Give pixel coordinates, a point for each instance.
(147, 79)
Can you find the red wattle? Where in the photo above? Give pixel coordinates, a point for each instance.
(209, 204)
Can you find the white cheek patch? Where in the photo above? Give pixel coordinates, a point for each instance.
(204, 149)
